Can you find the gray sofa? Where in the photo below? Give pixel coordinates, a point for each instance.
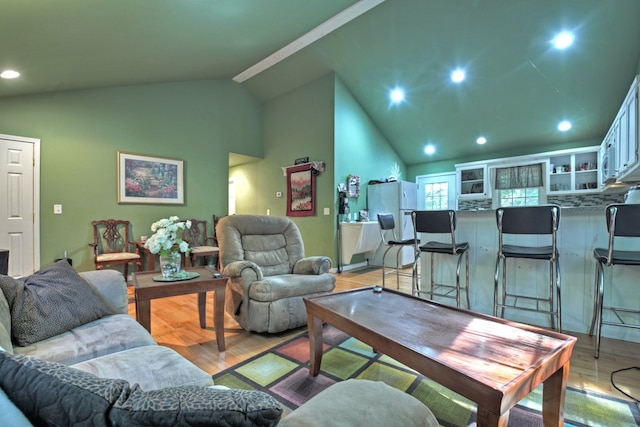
(110, 371)
(269, 275)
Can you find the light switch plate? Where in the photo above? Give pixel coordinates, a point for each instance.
(57, 209)
(327, 211)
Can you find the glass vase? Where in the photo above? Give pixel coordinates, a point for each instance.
(170, 265)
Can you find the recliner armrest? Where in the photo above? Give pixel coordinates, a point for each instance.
(312, 265)
(237, 269)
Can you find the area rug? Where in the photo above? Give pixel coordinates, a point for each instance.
(283, 372)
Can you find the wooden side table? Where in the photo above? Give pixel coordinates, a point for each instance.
(147, 289)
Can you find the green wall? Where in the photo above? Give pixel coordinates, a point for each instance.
(296, 124)
(81, 131)
(361, 149)
(322, 121)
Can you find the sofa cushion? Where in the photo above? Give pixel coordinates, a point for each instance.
(5, 324)
(107, 335)
(51, 394)
(51, 301)
(152, 367)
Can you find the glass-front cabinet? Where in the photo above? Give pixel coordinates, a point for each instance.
(472, 181)
(574, 171)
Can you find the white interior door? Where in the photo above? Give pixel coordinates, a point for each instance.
(19, 169)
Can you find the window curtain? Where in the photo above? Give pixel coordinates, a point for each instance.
(519, 177)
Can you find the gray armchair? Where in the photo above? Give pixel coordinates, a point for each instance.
(263, 256)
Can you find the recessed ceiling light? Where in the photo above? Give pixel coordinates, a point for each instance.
(457, 76)
(429, 149)
(9, 74)
(564, 126)
(481, 140)
(396, 95)
(563, 40)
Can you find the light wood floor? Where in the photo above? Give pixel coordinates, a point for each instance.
(174, 323)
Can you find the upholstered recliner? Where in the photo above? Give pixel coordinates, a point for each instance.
(263, 256)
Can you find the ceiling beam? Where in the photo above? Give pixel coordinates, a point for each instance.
(317, 33)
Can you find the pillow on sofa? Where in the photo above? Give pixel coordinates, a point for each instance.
(50, 393)
(51, 301)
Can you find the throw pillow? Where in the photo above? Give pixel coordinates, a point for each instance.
(52, 394)
(53, 300)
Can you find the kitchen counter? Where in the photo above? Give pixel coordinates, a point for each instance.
(581, 230)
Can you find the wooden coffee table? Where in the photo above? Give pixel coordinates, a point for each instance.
(147, 289)
(491, 361)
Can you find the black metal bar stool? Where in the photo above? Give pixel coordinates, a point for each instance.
(622, 221)
(389, 239)
(531, 220)
(440, 222)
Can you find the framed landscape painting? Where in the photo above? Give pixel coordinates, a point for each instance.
(148, 179)
(301, 192)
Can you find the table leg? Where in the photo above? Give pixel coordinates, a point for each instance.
(218, 317)
(218, 314)
(315, 344)
(143, 314)
(553, 395)
(202, 309)
(486, 418)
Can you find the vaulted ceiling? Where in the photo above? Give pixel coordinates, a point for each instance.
(517, 88)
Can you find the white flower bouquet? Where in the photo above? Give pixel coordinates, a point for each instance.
(167, 236)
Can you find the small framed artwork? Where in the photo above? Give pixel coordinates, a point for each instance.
(301, 191)
(150, 179)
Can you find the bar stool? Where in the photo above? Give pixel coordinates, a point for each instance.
(622, 221)
(531, 220)
(390, 240)
(440, 222)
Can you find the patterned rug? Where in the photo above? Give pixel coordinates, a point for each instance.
(283, 373)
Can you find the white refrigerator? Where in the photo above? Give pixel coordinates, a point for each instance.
(399, 198)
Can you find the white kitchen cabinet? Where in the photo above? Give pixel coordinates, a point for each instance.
(572, 171)
(625, 128)
(473, 182)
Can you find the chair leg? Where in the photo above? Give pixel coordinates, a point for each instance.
(599, 304)
(551, 297)
(458, 280)
(559, 302)
(416, 274)
(466, 254)
(504, 285)
(431, 275)
(596, 305)
(384, 257)
(398, 267)
(496, 279)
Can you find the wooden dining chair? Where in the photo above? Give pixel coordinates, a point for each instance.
(200, 244)
(111, 245)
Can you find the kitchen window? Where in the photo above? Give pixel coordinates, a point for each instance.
(520, 185)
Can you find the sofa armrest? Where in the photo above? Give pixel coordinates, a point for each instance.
(312, 265)
(10, 415)
(110, 286)
(360, 403)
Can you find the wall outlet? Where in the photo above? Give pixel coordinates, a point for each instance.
(57, 209)
(268, 211)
